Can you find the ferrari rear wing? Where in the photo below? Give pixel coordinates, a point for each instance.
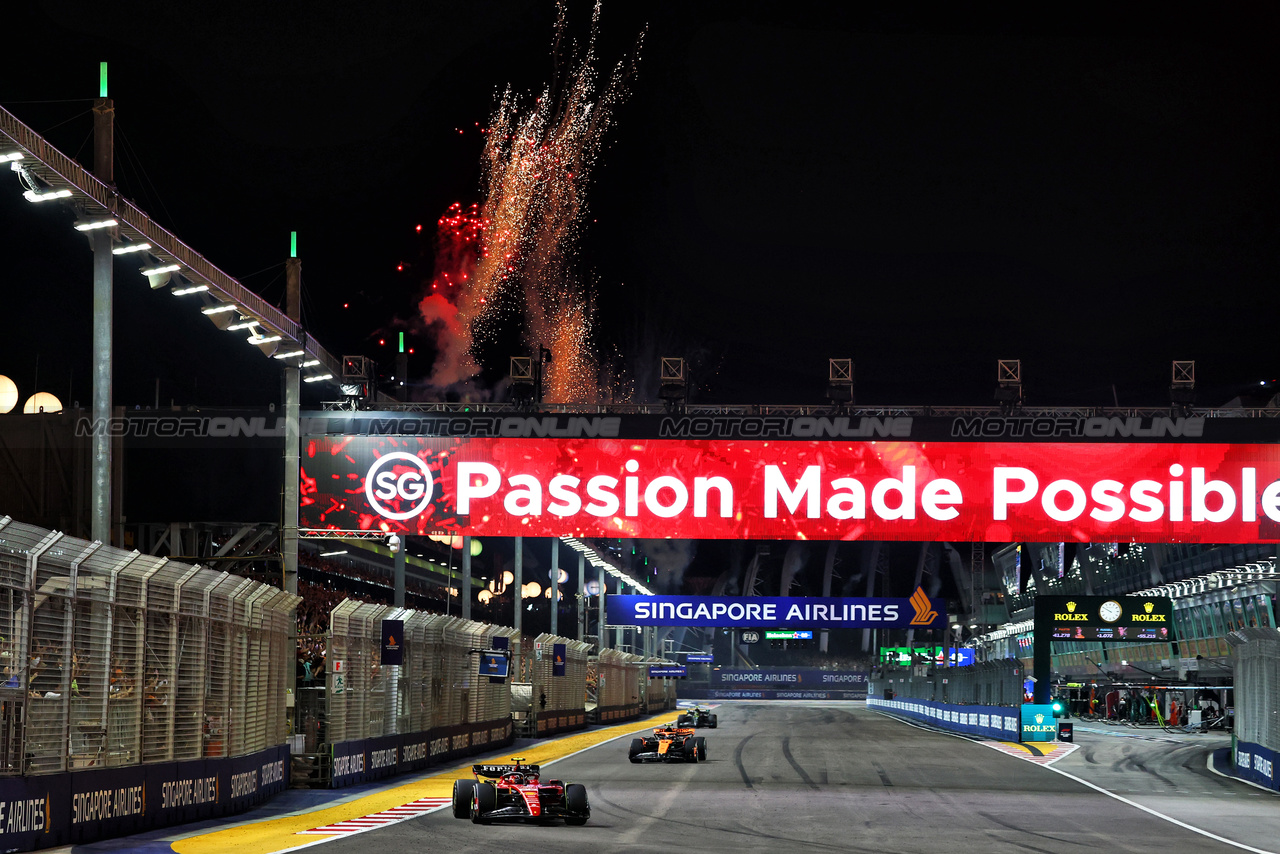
(499, 770)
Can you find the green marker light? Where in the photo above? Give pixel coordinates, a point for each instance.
(401, 342)
(293, 244)
(102, 80)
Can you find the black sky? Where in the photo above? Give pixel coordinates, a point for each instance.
(1092, 192)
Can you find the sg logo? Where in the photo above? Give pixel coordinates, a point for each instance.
(397, 478)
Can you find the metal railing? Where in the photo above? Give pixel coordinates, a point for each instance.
(114, 658)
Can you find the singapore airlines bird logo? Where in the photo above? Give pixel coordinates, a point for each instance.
(925, 614)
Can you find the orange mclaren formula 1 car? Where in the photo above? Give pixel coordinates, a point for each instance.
(516, 792)
(670, 743)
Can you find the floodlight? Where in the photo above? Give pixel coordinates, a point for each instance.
(310, 363)
(92, 224)
(130, 247)
(243, 324)
(161, 270)
(46, 195)
(11, 156)
(317, 378)
(219, 309)
(190, 289)
(264, 339)
(290, 354)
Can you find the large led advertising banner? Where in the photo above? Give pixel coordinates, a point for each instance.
(988, 491)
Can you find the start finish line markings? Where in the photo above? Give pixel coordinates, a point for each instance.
(422, 806)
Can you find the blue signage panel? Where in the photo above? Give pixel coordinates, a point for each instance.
(768, 612)
(557, 661)
(494, 665)
(699, 658)
(664, 671)
(1038, 722)
(392, 642)
(781, 678)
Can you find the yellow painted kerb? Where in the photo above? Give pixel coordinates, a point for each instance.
(278, 834)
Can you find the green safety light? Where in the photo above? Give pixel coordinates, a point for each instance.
(1057, 708)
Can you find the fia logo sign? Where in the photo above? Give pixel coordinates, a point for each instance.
(750, 637)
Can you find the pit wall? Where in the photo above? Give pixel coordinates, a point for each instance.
(1254, 763)
(1000, 722)
(78, 807)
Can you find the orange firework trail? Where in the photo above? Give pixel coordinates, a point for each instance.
(537, 164)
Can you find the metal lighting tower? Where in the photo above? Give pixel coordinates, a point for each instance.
(104, 113)
(292, 437)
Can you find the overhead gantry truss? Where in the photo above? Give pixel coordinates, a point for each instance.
(57, 176)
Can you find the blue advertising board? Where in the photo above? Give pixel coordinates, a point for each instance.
(392, 642)
(772, 612)
(1038, 722)
(558, 654)
(807, 678)
(699, 658)
(666, 671)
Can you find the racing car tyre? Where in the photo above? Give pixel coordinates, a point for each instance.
(575, 803)
(683, 720)
(637, 746)
(485, 802)
(691, 751)
(463, 792)
(713, 721)
(700, 745)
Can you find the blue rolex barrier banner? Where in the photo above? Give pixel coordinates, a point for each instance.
(767, 612)
(987, 721)
(392, 642)
(791, 678)
(1255, 763)
(558, 658)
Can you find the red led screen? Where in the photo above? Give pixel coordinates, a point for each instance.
(752, 489)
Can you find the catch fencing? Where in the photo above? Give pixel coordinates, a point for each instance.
(988, 683)
(113, 658)
(1256, 679)
(435, 685)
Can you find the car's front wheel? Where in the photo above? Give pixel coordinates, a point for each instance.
(637, 747)
(575, 805)
(484, 802)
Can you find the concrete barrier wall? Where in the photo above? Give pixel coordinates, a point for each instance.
(1000, 722)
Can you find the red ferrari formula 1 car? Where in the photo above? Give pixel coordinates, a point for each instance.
(516, 792)
(670, 743)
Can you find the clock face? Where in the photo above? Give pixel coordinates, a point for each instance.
(1110, 611)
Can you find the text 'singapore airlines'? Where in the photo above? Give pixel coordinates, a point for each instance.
(994, 492)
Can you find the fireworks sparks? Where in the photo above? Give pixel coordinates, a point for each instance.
(519, 247)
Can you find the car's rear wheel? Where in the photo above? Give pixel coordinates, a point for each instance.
(463, 793)
(485, 801)
(691, 751)
(700, 745)
(575, 804)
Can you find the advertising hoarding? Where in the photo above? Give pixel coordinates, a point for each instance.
(1105, 618)
(776, 612)
(988, 491)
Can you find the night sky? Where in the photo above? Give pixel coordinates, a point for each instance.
(1093, 193)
